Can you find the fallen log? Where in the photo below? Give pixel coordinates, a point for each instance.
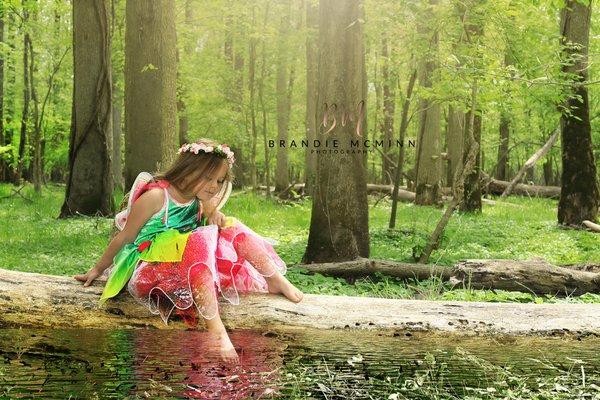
(534, 276)
(531, 276)
(36, 301)
(494, 186)
(363, 267)
(592, 226)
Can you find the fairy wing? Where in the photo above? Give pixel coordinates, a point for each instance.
(136, 190)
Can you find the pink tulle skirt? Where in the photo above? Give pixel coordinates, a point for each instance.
(226, 262)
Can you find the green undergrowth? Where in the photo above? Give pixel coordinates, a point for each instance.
(32, 239)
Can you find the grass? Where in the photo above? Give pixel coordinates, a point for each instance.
(32, 239)
(434, 380)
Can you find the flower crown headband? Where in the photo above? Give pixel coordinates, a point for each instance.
(221, 150)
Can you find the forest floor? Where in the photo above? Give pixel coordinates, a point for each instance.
(34, 240)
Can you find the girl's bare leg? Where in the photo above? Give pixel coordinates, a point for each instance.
(204, 293)
(221, 339)
(278, 284)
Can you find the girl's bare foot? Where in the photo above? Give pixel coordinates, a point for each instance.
(225, 348)
(221, 341)
(279, 284)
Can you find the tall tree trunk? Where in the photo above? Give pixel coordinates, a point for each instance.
(310, 159)
(26, 88)
(10, 96)
(282, 180)
(90, 184)
(183, 125)
(400, 165)
(376, 123)
(251, 84)
(234, 54)
(36, 162)
(473, 19)
(428, 163)
(339, 226)
(580, 195)
(150, 87)
(502, 163)
(261, 87)
(504, 131)
(117, 165)
(389, 105)
(472, 185)
(3, 165)
(454, 141)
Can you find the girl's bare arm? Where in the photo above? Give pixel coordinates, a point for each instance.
(142, 209)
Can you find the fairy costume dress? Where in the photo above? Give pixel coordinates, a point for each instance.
(179, 263)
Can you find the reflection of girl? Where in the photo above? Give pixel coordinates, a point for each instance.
(190, 371)
(177, 249)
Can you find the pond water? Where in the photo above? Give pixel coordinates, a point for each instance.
(339, 364)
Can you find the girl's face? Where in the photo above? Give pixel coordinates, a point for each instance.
(211, 184)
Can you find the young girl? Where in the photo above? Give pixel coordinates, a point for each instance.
(176, 250)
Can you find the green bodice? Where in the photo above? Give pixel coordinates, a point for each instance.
(162, 238)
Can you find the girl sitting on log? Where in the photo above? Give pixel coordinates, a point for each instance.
(175, 250)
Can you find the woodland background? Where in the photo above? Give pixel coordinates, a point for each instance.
(93, 93)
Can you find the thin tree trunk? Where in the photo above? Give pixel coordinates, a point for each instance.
(150, 87)
(37, 128)
(504, 131)
(580, 194)
(117, 165)
(261, 84)
(472, 192)
(181, 108)
(502, 167)
(26, 88)
(3, 165)
(389, 102)
(402, 134)
(251, 83)
(10, 96)
(310, 160)
(282, 180)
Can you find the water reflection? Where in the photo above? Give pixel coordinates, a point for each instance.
(344, 364)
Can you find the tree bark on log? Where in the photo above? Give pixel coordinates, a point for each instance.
(494, 186)
(534, 276)
(592, 226)
(366, 267)
(45, 301)
(530, 276)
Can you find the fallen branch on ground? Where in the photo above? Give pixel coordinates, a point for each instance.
(494, 186)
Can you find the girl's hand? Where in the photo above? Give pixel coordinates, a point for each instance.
(89, 276)
(217, 218)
